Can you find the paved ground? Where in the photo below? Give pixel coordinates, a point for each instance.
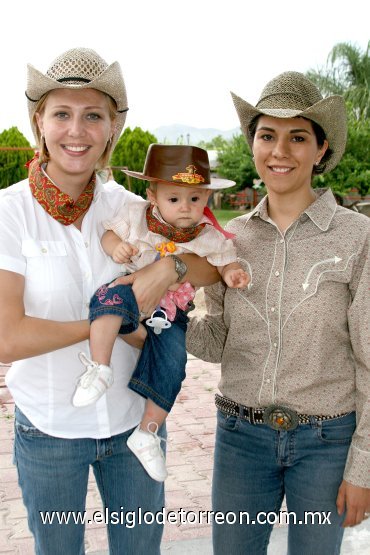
(190, 453)
(191, 427)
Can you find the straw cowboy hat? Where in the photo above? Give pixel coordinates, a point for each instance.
(291, 94)
(79, 68)
(179, 165)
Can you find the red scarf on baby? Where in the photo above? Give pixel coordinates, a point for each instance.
(57, 204)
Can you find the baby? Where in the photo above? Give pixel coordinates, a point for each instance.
(176, 220)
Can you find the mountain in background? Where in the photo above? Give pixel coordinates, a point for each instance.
(184, 134)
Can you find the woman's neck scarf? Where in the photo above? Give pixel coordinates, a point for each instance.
(57, 204)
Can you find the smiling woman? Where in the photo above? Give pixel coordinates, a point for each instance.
(51, 262)
(293, 346)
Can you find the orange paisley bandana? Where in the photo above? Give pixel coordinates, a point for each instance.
(183, 235)
(57, 204)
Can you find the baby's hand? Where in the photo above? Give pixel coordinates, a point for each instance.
(123, 252)
(236, 279)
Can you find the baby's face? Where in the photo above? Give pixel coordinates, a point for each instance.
(180, 206)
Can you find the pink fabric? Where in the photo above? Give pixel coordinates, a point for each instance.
(184, 294)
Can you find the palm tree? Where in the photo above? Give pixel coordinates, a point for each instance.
(347, 72)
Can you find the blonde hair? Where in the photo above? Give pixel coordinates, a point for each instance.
(103, 161)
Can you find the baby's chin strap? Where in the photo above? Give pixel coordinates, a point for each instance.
(210, 215)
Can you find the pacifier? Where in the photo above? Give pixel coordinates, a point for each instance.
(159, 323)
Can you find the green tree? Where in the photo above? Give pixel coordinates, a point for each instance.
(235, 163)
(217, 143)
(12, 162)
(130, 152)
(347, 72)
(354, 168)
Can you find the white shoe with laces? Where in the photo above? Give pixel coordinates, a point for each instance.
(93, 383)
(147, 448)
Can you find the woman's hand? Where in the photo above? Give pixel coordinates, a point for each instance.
(150, 284)
(355, 500)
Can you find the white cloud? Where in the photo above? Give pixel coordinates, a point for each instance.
(179, 59)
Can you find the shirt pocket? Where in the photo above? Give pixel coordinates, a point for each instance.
(32, 248)
(47, 264)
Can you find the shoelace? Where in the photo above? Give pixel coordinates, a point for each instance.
(91, 372)
(154, 449)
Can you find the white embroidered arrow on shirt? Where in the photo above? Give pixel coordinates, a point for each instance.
(306, 284)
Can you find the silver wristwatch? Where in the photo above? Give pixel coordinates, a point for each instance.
(180, 266)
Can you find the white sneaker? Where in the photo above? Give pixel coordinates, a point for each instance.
(147, 447)
(93, 383)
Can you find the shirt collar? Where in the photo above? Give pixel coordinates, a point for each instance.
(99, 186)
(320, 212)
(260, 210)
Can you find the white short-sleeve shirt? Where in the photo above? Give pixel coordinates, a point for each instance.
(63, 267)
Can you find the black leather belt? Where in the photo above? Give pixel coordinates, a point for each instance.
(275, 416)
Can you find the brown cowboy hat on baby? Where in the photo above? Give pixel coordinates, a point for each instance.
(291, 94)
(79, 68)
(179, 165)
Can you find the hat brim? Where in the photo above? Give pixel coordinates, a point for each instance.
(329, 113)
(215, 184)
(110, 82)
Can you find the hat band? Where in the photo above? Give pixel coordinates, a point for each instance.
(82, 79)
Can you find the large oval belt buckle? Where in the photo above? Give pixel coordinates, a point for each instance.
(280, 418)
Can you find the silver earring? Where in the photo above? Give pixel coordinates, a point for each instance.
(317, 163)
(253, 159)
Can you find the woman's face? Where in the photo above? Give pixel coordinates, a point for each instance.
(285, 152)
(76, 126)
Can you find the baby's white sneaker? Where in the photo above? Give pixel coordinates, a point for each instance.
(146, 445)
(93, 383)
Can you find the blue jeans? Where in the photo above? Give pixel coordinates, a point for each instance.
(53, 475)
(161, 366)
(255, 466)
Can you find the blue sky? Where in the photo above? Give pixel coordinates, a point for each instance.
(180, 59)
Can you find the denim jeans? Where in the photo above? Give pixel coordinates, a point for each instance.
(160, 369)
(255, 466)
(53, 475)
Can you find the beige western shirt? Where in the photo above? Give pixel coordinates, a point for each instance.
(299, 335)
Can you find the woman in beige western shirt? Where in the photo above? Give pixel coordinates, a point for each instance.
(293, 416)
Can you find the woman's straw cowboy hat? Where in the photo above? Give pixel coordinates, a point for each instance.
(179, 165)
(291, 94)
(79, 68)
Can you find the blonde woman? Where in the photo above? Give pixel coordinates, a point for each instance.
(51, 262)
